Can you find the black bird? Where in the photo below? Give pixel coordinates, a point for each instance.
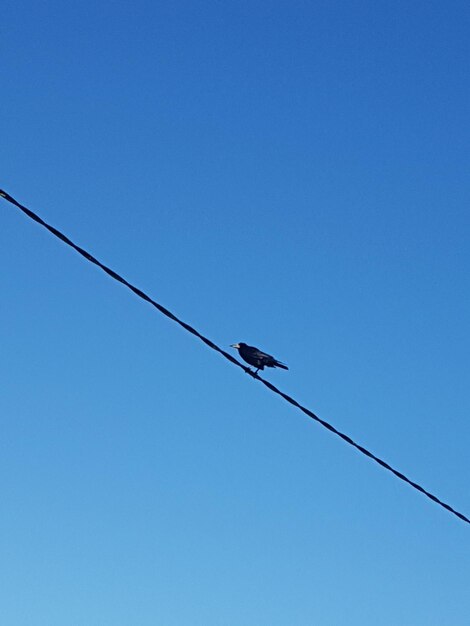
(255, 357)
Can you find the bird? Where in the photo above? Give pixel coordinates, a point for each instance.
(256, 357)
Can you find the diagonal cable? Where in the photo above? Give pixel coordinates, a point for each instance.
(138, 292)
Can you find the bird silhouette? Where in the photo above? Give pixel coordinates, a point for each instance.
(256, 357)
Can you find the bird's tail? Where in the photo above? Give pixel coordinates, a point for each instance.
(279, 364)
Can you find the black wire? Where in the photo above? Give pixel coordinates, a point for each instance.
(228, 356)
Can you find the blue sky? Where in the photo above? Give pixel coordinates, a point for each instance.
(289, 174)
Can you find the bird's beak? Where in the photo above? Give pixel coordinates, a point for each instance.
(235, 345)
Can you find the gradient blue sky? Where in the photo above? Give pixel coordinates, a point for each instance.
(288, 174)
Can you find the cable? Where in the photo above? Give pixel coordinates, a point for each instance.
(208, 342)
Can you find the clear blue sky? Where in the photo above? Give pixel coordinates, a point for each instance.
(289, 174)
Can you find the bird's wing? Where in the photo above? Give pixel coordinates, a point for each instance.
(258, 354)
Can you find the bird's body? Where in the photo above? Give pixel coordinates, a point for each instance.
(257, 358)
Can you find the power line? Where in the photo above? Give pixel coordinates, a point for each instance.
(138, 292)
